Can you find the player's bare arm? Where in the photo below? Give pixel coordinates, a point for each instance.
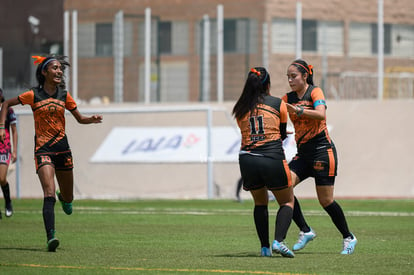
(86, 120)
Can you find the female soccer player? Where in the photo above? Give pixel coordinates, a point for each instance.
(7, 153)
(53, 156)
(316, 156)
(262, 121)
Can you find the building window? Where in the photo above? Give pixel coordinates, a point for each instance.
(165, 36)
(317, 36)
(402, 40)
(229, 35)
(330, 37)
(283, 35)
(239, 36)
(387, 38)
(103, 35)
(309, 35)
(363, 39)
(359, 39)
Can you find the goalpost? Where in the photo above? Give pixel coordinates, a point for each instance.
(92, 165)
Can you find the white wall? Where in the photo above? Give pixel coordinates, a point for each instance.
(374, 142)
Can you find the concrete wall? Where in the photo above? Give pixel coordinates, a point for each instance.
(373, 138)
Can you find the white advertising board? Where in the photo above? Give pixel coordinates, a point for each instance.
(172, 144)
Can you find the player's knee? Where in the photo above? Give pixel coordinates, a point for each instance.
(324, 202)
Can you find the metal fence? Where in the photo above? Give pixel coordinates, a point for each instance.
(364, 85)
(145, 58)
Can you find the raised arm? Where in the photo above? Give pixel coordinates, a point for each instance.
(84, 119)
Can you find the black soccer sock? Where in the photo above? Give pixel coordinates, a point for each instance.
(261, 220)
(337, 215)
(239, 187)
(283, 221)
(6, 193)
(298, 217)
(49, 216)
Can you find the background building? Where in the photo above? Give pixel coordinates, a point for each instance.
(338, 38)
(26, 28)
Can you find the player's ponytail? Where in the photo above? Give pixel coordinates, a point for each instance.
(256, 87)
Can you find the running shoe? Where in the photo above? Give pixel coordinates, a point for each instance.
(304, 238)
(266, 252)
(52, 244)
(66, 206)
(282, 249)
(349, 245)
(275, 247)
(9, 210)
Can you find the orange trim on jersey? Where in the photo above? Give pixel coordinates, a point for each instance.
(287, 170)
(46, 102)
(327, 135)
(331, 162)
(283, 112)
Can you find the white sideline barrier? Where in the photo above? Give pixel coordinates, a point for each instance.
(373, 139)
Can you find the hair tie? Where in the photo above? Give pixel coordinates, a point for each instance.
(253, 70)
(264, 79)
(309, 71)
(38, 59)
(310, 68)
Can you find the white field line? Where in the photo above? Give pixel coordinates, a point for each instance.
(186, 211)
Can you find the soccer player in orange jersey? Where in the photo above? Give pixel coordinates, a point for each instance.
(316, 154)
(262, 120)
(53, 156)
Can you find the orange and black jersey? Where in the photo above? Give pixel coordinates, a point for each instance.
(49, 118)
(308, 131)
(263, 130)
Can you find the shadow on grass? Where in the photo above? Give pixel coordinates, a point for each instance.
(252, 254)
(238, 255)
(23, 249)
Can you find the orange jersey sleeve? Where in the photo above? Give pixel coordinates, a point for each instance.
(26, 98)
(70, 103)
(283, 112)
